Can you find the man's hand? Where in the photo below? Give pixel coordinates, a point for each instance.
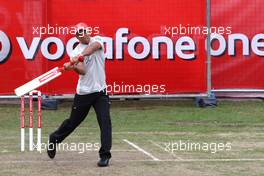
(68, 66)
(76, 59)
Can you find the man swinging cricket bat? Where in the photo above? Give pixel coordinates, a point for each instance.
(90, 92)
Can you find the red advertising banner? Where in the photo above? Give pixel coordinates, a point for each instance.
(238, 61)
(151, 46)
(145, 52)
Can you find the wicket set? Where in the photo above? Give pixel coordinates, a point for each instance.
(31, 121)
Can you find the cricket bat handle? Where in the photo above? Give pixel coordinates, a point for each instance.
(80, 59)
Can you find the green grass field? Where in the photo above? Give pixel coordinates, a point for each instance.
(154, 126)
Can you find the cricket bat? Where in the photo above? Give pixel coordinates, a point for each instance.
(42, 79)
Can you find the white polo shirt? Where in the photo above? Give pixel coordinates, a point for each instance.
(94, 79)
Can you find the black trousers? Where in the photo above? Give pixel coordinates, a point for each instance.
(81, 106)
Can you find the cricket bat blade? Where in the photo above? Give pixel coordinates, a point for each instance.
(39, 81)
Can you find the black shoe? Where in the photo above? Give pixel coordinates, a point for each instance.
(51, 150)
(103, 162)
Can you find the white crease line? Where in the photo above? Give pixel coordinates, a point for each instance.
(179, 161)
(216, 160)
(141, 150)
(124, 150)
(179, 158)
(4, 151)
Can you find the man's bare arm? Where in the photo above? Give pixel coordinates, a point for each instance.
(92, 48)
(79, 68)
(87, 51)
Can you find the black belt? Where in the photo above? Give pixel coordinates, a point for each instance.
(103, 91)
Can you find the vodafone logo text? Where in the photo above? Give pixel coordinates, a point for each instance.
(184, 47)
